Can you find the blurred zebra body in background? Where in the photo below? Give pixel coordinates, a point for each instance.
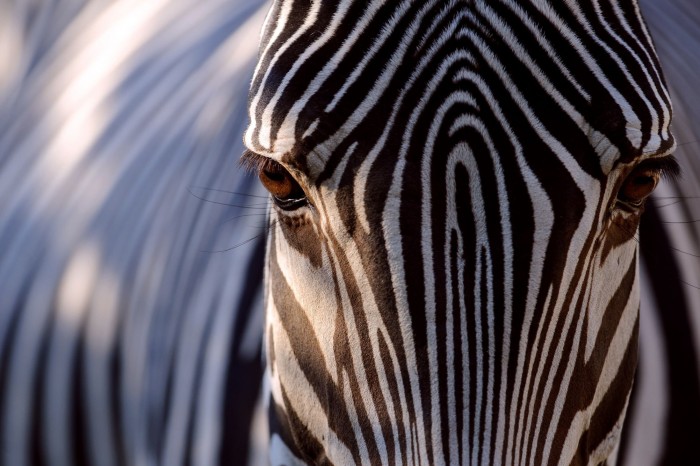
(121, 341)
(117, 322)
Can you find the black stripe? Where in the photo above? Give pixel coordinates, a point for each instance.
(682, 427)
(308, 353)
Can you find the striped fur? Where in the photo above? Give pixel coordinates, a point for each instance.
(462, 285)
(120, 340)
(663, 426)
(163, 60)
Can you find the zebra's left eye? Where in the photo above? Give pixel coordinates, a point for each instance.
(644, 178)
(638, 186)
(285, 190)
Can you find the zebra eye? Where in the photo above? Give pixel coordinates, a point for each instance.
(286, 192)
(639, 185)
(642, 181)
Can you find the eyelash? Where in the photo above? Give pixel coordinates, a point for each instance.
(255, 163)
(642, 180)
(667, 167)
(286, 192)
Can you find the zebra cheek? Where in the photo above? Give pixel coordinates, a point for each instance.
(299, 233)
(622, 229)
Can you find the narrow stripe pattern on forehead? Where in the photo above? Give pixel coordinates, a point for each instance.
(460, 286)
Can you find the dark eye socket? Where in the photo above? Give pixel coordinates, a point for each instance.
(638, 186)
(644, 178)
(286, 192)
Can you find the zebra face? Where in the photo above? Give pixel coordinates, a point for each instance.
(452, 260)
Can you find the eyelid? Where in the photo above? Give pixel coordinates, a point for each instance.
(667, 166)
(254, 163)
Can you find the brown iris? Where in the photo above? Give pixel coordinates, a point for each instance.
(639, 185)
(284, 188)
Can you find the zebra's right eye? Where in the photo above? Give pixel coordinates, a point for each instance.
(285, 190)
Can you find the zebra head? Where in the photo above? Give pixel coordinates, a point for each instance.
(452, 259)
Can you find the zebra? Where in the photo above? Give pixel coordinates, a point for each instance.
(123, 338)
(452, 270)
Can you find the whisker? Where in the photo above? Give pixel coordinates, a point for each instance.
(229, 192)
(669, 204)
(690, 285)
(633, 234)
(685, 222)
(685, 252)
(225, 203)
(260, 214)
(233, 247)
(242, 243)
(636, 238)
(688, 142)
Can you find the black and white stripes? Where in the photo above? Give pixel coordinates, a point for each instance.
(460, 284)
(118, 326)
(164, 106)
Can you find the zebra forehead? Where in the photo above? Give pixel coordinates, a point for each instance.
(318, 79)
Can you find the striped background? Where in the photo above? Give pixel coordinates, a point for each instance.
(124, 336)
